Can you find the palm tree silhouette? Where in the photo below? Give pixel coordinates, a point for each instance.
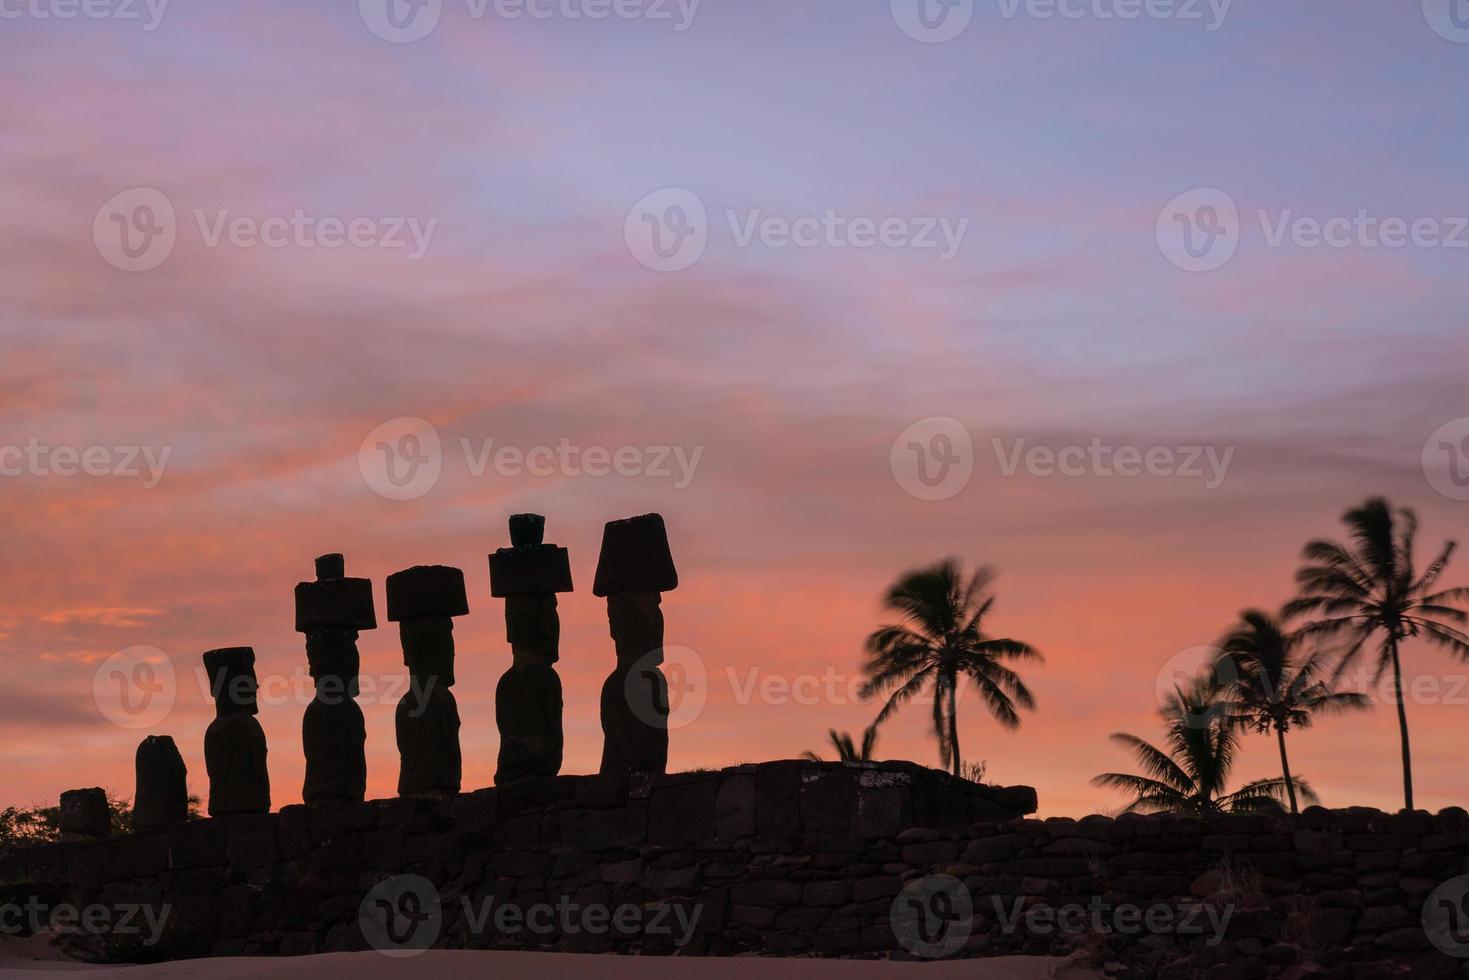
(1190, 775)
(847, 750)
(1370, 588)
(1275, 688)
(939, 643)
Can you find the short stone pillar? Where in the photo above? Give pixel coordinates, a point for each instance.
(85, 815)
(331, 612)
(635, 567)
(234, 744)
(423, 601)
(161, 799)
(528, 703)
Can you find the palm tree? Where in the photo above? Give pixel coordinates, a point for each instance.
(1190, 775)
(847, 750)
(1275, 688)
(938, 644)
(1370, 589)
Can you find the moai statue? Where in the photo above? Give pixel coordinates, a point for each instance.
(423, 602)
(635, 567)
(85, 815)
(234, 744)
(162, 796)
(527, 575)
(331, 612)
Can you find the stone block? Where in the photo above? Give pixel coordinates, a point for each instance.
(635, 558)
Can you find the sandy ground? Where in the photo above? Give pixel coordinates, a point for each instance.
(24, 959)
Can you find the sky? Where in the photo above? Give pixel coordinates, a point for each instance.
(839, 287)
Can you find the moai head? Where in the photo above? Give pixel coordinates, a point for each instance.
(423, 601)
(635, 567)
(232, 680)
(635, 558)
(528, 575)
(162, 795)
(331, 612)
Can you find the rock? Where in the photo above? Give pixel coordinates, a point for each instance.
(85, 815)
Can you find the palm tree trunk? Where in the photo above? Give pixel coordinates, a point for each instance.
(954, 728)
(1290, 784)
(1397, 676)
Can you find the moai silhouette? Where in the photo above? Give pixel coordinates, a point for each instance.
(85, 815)
(635, 567)
(423, 602)
(161, 800)
(234, 744)
(528, 704)
(331, 612)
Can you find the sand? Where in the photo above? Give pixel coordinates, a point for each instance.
(24, 959)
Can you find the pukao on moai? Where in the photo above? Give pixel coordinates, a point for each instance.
(528, 575)
(634, 569)
(423, 601)
(331, 612)
(161, 798)
(234, 743)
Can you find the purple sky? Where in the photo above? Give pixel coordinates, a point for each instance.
(518, 149)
